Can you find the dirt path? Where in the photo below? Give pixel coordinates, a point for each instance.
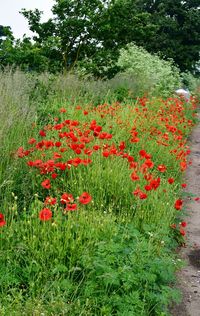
(189, 277)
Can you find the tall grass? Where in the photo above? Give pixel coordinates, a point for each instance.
(17, 115)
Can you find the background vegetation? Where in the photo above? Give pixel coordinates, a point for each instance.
(91, 34)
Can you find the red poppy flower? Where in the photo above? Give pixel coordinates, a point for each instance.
(183, 224)
(78, 151)
(122, 145)
(155, 183)
(62, 110)
(54, 175)
(136, 192)
(106, 154)
(178, 204)
(32, 141)
(184, 185)
(182, 232)
(96, 147)
(50, 200)
(45, 214)
(148, 187)
(42, 133)
(58, 144)
(162, 168)
(71, 207)
(142, 195)
(149, 163)
(142, 153)
(134, 177)
(46, 184)
(170, 180)
(2, 221)
(183, 165)
(85, 198)
(66, 198)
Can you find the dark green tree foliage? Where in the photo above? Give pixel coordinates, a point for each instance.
(95, 30)
(178, 30)
(72, 33)
(5, 31)
(92, 33)
(6, 43)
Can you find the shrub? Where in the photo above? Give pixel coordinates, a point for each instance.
(152, 74)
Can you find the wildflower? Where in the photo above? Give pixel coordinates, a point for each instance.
(134, 176)
(106, 154)
(50, 200)
(178, 204)
(32, 141)
(148, 187)
(58, 144)
(155, 183)
(142, 153)
(142, 195)
(182, 232)
(45, 214)
(122, 145)
(66, 198)
(2, 221)
(62, 110)
(184, 185)
(183, 165)
(85, 198)
(170, 180)
(57, 155)
(46, 184)
(183, 224)
(71, 207)
(149, 163)
(42, 133)
(54, 175)
(96, 147)
(162, 168)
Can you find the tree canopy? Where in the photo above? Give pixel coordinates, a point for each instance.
(92, 33)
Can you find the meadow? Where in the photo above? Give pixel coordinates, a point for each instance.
(91, 187)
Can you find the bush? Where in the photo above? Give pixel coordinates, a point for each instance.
(152, 74)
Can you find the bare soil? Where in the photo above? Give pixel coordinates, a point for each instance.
(189, 277)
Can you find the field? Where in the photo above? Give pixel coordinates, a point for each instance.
(91, 198)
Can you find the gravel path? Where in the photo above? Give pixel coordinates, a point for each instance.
(189, 277)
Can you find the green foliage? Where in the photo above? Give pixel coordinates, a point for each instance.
(192, 83)
(96, 264)
(91, 34)
(177, 35)
(72, 30)
(153, 74)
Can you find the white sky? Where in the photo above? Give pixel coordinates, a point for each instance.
(9, 14)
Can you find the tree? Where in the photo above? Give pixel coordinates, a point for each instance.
(178, 26)
(73, 28)
(6, 42)
(92, 30)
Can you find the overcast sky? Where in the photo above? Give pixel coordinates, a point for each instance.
(9, 14)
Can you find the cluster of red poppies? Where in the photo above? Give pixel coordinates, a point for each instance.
(67, 143)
